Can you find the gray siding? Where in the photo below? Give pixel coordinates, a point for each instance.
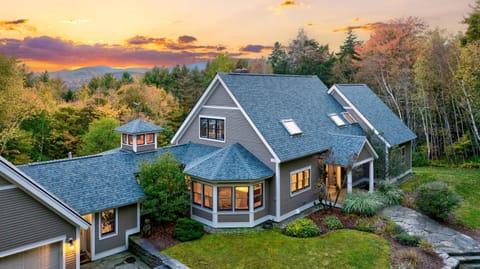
(24, 220)
(364, 154)
(127, 219)
(237, 130)
(260, 214)
(220, 97)
(233, 218)
(4, 182)
(202, 213)
(127, 147)
(142, 148)
(289, 203)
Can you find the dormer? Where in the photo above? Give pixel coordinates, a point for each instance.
(139, 136)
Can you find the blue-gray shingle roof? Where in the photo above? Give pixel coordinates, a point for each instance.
(387, 123)
(269, 99)
(138, 126)
(233, 162)
(345, 149)
(93, 183)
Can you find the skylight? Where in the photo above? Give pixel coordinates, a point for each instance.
(338, 121)
(291, 127)
(349, 117)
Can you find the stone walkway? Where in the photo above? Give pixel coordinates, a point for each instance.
(446, 241)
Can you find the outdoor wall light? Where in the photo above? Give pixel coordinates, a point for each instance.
(70, 242)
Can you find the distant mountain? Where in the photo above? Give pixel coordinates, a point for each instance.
(75, 78)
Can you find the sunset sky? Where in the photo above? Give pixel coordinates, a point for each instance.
(57, 34)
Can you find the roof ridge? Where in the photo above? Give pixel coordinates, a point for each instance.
(267, 75)
(351, 84)
(63, 160)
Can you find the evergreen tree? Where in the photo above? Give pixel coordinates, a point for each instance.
(473, 22)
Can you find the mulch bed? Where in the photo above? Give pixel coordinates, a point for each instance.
(162, 236)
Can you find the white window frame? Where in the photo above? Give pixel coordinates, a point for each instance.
(304, 189)
(215, 118)
(263, 196)
(347, 116)
(100, 236)
(338, 121)
(292, 129)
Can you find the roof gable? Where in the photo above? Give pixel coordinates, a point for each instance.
(38, 192)
(376, 112)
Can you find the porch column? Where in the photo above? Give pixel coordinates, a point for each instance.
(370, 176)
(349, 181)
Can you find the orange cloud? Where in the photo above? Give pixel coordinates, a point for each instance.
(183, 42)
(288, 3)
(16, 25)
(368, 27)
(356, 19)
(309, 24)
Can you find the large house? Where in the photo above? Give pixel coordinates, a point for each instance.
(254, 148)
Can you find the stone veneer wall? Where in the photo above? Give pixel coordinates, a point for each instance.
(151, 256)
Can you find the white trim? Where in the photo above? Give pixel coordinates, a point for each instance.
(349, 181)
(296, 211)
(402, 175)
(92, 238)
(37, 245)
(363, 162)
(221, 107)
(292, 194)
(215, 118)
(372, 150)
(277, 191)
(41, 194)
(7, 187)
(108, 252)
(233, 224)
(77, 247)
(250, 205)
(102, 237)
(375, 131)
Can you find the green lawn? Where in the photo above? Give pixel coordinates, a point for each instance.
(271, 249)
(465, 182)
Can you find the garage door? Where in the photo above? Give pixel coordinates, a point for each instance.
(45, 257)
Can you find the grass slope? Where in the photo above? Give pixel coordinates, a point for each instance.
(465, 182)
(271, 249)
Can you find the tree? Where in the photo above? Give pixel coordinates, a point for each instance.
(221, 63)
(166, 192)
(100, 136)
(473, 22)
(303, 56)
(346, 67)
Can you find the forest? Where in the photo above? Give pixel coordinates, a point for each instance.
(430, 78)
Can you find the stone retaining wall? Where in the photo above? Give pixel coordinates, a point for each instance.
(151, 256)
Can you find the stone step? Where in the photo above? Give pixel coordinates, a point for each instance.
(469, 266)
(468, 253)
(468, 259)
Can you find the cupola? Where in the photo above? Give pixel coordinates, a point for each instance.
(139, 136)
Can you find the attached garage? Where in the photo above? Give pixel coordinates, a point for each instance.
(44, 257)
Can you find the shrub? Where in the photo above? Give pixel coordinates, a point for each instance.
(436, 200)
(188, 229)
(362, 203)
(302, 228)
(364, 225)
(390, 193)
(332, 223)
(386, 228)
(397, 228)
(407, 240)
(409, 258)
(426, 247)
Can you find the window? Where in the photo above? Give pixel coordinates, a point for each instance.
(241, 198)
(108, 222)
(349, 117)
(212, 128)
(338, 121)
(207, 196)
(197, 193)
(258, 195)
(224, 198)
(291, 127)
(150, 138)
(299, 180)
(140, 139)
(130, 139)
(124, 139)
